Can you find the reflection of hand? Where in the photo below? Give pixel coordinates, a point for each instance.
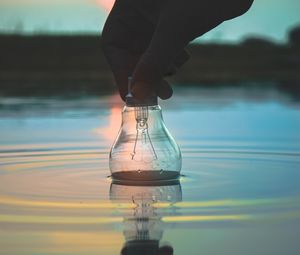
(164, 250)
(146, 38)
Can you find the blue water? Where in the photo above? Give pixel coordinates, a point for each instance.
(239, 192)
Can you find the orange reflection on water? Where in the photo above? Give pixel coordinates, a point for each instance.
(103, 240)
(60, 242)
(45, 219)
(53, 204)
(114, 119)
(106, 4)
(110, 131)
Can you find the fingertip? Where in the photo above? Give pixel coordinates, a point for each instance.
(141, 90)
(164, 90)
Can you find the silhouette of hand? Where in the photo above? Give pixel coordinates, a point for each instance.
(145, 39)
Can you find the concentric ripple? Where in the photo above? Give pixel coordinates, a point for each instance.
(68, 185)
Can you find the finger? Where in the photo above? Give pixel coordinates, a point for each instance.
(125, 36)
(234, 8)
(179, 61)
(164, 90)
(144, 90)
(179, 23)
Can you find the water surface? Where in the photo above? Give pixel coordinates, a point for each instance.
(239, 192)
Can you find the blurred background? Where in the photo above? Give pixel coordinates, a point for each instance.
(267, 19)
(56, 43)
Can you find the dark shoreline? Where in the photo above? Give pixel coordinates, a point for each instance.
(30, 64)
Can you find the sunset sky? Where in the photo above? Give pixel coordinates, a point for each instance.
(268, 18)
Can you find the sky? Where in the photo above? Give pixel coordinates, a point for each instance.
(271, 19)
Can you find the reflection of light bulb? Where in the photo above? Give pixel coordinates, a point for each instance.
(144, 223)
(144, 150)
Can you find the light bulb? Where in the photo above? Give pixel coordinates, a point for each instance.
(144, 149)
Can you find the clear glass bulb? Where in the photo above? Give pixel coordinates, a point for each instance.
(144, 149)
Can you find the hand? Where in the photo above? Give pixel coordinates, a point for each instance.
(145, 39)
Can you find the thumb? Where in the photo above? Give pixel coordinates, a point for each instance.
(142, 90)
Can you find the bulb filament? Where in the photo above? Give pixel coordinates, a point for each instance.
(141, 117)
